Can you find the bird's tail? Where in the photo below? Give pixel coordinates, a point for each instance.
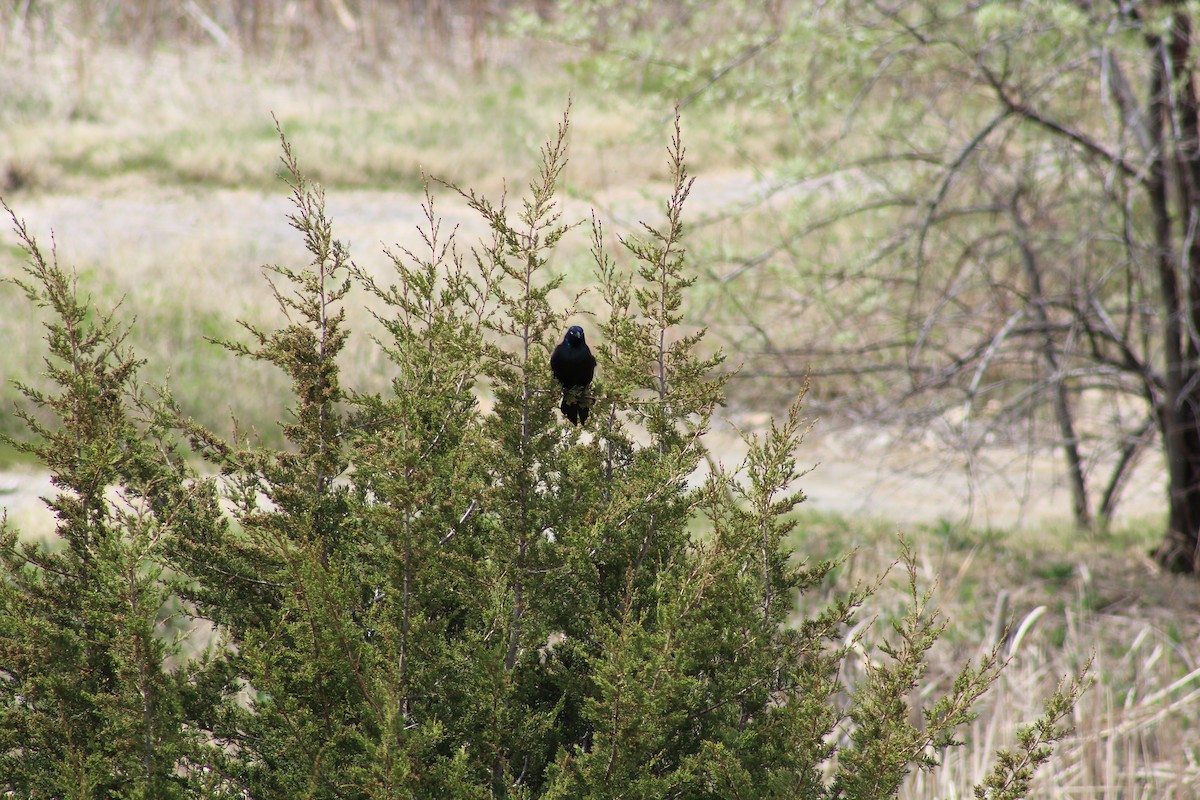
(576, 405)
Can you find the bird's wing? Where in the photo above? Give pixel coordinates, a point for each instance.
(590, 361)
(557, 365)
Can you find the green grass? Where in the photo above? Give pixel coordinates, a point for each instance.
(11, 458)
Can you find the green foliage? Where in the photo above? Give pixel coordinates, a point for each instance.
(419, 596)
(1013, 774)
(89, 706)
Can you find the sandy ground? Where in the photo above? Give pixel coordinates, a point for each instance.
(856, 470)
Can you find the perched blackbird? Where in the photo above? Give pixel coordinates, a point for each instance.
(573, 364)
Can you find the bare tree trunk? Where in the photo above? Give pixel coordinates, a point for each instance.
(1174, 99)
(1130, 451)
(1062, 406)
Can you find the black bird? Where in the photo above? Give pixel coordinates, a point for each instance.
(573, 364)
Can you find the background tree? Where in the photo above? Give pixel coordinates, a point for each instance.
(990, 209)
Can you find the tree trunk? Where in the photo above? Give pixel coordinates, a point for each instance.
(1180, 550)
(1174, 101)
(1058, 389)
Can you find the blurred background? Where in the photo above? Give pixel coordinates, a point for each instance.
(143, 135)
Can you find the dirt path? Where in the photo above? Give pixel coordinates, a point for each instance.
(141, 230)
(855, 472)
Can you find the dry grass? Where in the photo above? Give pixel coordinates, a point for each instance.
(94, 115)
(1135, 728)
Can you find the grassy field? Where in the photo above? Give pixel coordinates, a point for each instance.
(157, 170)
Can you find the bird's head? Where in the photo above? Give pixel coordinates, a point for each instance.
(574, 335)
